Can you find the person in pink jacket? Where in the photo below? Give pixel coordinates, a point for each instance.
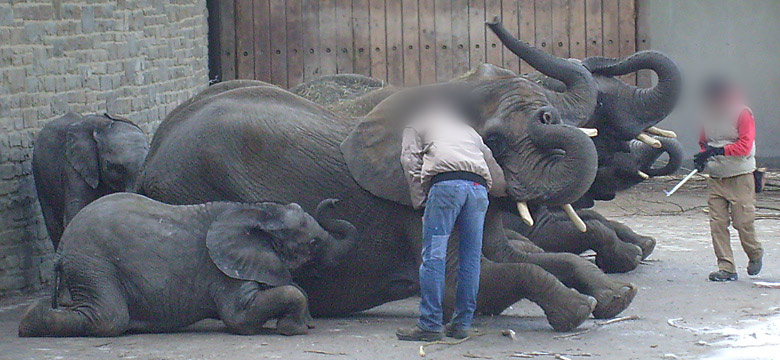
(728, 151)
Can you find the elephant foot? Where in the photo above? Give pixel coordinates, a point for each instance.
(291, 325)
(623, 257)
(34, 320)
(646, 243)
(613, 302)
(570, 313)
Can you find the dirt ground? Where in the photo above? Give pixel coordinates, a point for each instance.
(678, 313)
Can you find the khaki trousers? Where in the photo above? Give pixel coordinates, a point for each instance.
(732, 200)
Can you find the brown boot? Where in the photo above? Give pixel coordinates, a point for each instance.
(417, 334)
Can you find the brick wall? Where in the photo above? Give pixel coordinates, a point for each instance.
(135, 58)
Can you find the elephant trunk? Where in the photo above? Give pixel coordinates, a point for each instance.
(578, 101)
(558, 171)
(647, 155)
(342, 234)
(649, 105)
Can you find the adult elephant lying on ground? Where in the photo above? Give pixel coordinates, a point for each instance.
(77, 159)
(618, 248)
(261, 143)
(129, 262)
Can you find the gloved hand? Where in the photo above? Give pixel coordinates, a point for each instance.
(700, 159)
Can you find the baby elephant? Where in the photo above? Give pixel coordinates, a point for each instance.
(132, 263)
(77, 159)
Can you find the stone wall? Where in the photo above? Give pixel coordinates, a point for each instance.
(134, 58)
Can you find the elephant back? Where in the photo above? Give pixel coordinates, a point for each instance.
(180, 112)
(220, 147)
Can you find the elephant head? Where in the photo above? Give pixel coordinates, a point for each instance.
(544, 161)
(265, 242)
(626, 111)
(623, 111)
(107, 150)
(628, 143)
(621, 170)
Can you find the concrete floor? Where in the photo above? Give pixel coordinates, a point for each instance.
(711, 320)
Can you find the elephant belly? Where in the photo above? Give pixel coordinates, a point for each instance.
(169, 305)
(349, 290)
(344, 297)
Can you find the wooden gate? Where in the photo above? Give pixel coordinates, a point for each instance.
(405, 42)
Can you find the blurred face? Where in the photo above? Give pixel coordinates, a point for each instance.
(722, 96)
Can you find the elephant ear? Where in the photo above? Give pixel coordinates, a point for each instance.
(372, 150)
(242, 243)
(81, 151)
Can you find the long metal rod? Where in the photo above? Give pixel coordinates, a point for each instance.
(683, 181)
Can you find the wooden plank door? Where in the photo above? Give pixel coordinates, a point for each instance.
(405, 42)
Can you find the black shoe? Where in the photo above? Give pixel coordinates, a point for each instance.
(754, 267)
(456, 332)
(723, 275)
(417, 334)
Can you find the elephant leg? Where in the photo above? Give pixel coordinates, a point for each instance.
(613, 296)
(245, 307)
(502, 285)
(623, 232)
(520, 243)
(646, 243)
(572, 270)
(99, 308)
(612, 254)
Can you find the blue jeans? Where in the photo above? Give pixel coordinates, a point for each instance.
(453, 202)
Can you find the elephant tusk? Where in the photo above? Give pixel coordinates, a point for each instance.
(590, 131)
(661, 132)
(569, 210)
(642, 174)
(525, 214)
(649, 140)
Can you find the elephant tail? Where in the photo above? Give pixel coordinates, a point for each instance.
(56, 281)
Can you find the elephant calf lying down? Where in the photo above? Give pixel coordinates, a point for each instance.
(132, 263)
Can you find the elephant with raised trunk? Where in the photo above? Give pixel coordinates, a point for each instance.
(628, 145)
(131, 263)
(77, 159)
(261, 143)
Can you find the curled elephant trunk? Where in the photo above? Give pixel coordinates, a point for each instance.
(647, 156)
(651, 105)
(578, 101)
(572, 161)
(342, 233)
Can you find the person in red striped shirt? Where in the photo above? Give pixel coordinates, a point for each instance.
(728, 154)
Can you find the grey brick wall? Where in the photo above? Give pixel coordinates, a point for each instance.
(135, 58)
